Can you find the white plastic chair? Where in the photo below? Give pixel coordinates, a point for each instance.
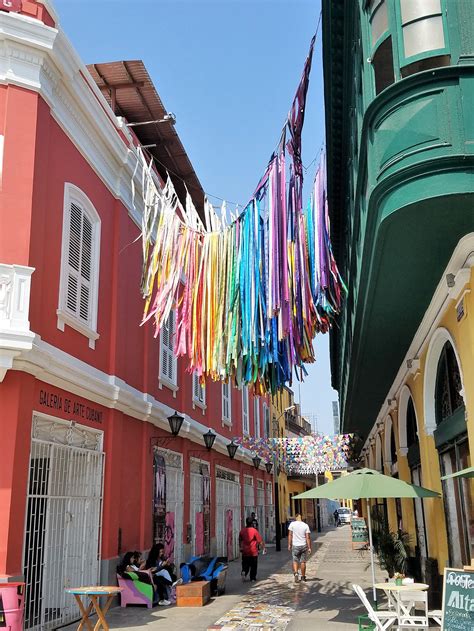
(436, 615)
(382, 619)
(413, 610)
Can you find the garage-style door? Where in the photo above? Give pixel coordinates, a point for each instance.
(228, 513)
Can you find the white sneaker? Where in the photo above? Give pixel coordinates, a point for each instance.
(179, 581)
(164, 603)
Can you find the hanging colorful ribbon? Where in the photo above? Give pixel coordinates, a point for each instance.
(249, 296)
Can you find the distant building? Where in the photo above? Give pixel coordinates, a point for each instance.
(335, 416)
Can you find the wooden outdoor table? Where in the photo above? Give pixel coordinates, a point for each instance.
(94, 593)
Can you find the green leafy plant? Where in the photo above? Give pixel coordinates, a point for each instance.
(392, 548)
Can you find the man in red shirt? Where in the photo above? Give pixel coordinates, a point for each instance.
(250, 541)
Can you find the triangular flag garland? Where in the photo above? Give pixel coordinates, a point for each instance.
(305, 454)
(249, 296)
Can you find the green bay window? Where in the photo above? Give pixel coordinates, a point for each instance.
(422, 35)
(404, 37)
(381, 44)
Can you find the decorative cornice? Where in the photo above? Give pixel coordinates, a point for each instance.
(40, 58)
(53, 366)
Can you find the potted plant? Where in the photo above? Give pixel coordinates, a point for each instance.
(392, 549)
(398, 576)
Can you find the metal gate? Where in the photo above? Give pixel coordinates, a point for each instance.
(269, 514)
(249, 497)
(63, 519)
(228, 499)
(174, 503)
(199, 471)
(261, 507)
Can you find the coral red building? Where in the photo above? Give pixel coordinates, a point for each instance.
(88, 468)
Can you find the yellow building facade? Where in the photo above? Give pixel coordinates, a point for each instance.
(280, 402)
(425, 429)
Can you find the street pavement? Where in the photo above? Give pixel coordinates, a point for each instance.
(274, 602)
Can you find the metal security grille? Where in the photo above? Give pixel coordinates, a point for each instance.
(228, 499)
(261, 507)
(198, 471)
(174, 499)
(63, 520)
(249, 496)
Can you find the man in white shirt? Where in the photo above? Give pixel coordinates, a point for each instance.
(299, 544)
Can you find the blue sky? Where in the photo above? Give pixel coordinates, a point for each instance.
(228, 69)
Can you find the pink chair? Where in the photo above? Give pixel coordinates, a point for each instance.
(135, 592)
(12, 599)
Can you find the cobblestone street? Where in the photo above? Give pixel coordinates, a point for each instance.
(275, 602)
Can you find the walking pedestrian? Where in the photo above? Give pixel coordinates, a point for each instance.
(253, 517)
(299, 544)
(250, 542)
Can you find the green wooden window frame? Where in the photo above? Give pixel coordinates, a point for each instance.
(403, 59)
(444, 380)
(388, 38)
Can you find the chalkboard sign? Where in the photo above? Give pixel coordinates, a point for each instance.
(458, 600)
(359, 531)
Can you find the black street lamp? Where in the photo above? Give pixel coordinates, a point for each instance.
(175, 421)
(256, 461)
(232, 449)
(209, 438)
(268, 467)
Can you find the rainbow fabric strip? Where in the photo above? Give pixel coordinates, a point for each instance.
(249, 296)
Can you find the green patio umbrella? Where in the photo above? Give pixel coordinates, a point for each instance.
(465, 473)
(366, 484)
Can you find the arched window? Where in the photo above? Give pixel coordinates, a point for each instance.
(448, 399)
(393, 447)
(412, 435)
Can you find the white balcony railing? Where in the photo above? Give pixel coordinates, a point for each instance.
(15, 334)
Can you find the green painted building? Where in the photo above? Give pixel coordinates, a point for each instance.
(399, 91)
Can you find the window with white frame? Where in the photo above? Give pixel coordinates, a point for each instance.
(199, 392)
(245, 410)
(168, 360)
(80, 256)
(266, 420)
(256, 416)
(226, 402)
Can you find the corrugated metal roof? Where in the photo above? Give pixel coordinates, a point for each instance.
(130, 92)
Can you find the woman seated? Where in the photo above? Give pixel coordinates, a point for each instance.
(132, 563)
(160, 565)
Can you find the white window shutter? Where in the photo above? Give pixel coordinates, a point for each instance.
(256, 416)
(168, 365)
(79, 263)
(245, 410)
(199, 393)
(226, 402)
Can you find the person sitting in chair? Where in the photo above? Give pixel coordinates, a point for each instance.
(160, 565)
(132, 564)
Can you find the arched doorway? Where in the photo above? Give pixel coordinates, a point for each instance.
(409, 440)
(452, 444)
